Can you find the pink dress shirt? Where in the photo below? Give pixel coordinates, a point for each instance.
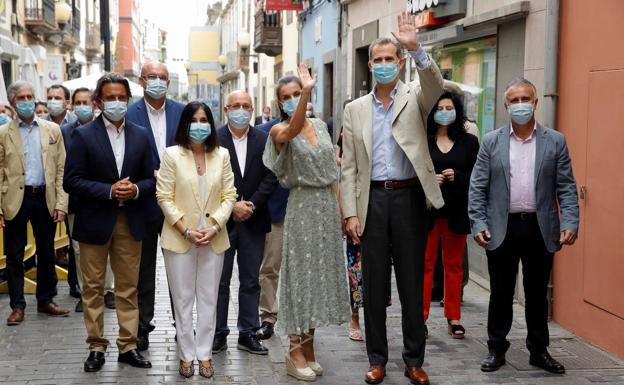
(522, 172)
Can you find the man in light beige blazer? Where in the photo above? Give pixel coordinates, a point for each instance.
(388, 181)
(32, 159)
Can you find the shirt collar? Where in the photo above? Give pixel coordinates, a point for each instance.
(110, 126)
(392, 93)
(23, 124)
(234, 137)
(152, 110)
(512, 134)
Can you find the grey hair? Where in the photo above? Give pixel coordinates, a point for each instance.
(17, 86)
(519, 81)
(385, 41)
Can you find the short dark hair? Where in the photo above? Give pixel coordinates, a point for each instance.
(182, 133)
(455, 129)
(110, 78)
(278, 87)
(81, 89)
(59, 86)
(40, 103)
(385, 41)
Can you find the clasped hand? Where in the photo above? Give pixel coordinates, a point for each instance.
(124, 190)
(202, 237)
(242, 211)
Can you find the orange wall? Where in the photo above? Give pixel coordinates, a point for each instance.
(589, 277)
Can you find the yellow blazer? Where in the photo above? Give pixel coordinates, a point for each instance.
(177, 191)
(412, 105)
(12, 167)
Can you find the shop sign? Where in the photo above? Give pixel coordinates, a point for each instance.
(439, 8)
(440, 34)
(284, 5)
(54, 70)
(426, 19)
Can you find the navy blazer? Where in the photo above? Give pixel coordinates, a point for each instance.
(279, 198)
(68, 130)
(137, 114)
(90, 172)
(259, 182)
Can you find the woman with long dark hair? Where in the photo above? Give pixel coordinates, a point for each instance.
(313, 285)
(195, 190)
(453, 152)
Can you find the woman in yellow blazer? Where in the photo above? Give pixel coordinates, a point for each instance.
(195, 190)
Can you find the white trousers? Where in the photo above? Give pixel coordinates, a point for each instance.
(194, 277)
(109, 283)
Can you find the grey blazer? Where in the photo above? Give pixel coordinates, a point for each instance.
(488, 196)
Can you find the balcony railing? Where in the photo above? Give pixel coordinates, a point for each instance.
(71, 30)
(268, 37)
(39, 15)
(93, 41)
(75, 22)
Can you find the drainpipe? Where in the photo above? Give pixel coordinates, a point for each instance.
(551, 92)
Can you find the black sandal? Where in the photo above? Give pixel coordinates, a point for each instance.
(456, 331)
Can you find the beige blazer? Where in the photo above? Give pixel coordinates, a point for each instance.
(412, 105)
(177, 191)
(12, 170)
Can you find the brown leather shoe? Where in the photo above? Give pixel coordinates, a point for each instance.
(375, 374)
(416, 375)
(53, 310)
(16, 317)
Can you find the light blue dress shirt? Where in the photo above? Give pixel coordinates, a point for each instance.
(389, 161)
(33, 159)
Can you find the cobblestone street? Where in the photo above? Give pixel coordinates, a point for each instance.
(51, 351)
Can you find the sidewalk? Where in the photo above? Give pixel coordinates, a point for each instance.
(51, 351)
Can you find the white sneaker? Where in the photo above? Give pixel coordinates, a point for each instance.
(316, 368)
(303, 374)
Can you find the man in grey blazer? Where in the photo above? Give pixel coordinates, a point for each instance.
(523, 205)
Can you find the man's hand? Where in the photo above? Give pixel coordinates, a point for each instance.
(119, 189)
(407, 31)
(353, 229)
(439, 178)
(59, 216)
(483, 238)
(242, 211)
(567, 237)
(449, 174)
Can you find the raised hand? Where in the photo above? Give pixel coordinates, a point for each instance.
(407, 31)
(304, 75)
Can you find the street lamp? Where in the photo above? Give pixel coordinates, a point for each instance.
(187, 66)
(223, 60)
(62, 13)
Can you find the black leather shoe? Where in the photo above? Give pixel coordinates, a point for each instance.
(134, 358)
(493, 362)
(251, 344)
(266, 330)
(78, 308)
(143, 341)
(94, 362)
(546, 362)
(74, 291)
(219, 343)
(109, 300)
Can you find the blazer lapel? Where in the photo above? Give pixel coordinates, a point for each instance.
(145, 122)
(172, 124)
(190, 165)
(504, 146)
(210, 178)
(400, 100)
(128, 141)
(540, 149)
(251, 143)
(229, 144)
(16, 138)
(44, 136)
(105, 144)
(366, 116)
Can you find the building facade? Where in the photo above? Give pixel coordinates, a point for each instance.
(203, 67)
(128, 42)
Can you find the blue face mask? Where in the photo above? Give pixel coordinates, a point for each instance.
(444, 118)
(290, 106)
(199, 132)
(25, 109)
(83, 113)
(56, 107)
(156, 88)
(115, 110)
(239, 118)
(385, 73)
(4, 119)
(521, 113)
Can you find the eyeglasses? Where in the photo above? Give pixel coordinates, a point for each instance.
(238, 106)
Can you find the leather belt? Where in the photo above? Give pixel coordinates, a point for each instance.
(524, 216)
(394, 184)
(35, 189)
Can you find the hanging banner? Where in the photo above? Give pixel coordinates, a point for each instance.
(284, 5)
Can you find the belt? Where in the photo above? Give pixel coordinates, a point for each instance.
(35, 189)
(524, 216)
(394, 184)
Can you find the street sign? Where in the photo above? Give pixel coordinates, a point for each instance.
(284, 5)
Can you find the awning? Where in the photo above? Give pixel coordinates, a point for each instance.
(90, 81)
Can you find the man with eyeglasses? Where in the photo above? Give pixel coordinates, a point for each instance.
(248, 226)
(160, 116)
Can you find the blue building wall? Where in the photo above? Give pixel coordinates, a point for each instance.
(329, 14)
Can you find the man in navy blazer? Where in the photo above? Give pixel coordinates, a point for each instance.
(109, 169)
(161, 117)
(248, 226)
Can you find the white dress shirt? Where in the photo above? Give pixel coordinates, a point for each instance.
(522, 172)
(158, 121)
(117, 138)
(240, 146)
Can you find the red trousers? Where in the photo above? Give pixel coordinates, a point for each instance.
(453, 246)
